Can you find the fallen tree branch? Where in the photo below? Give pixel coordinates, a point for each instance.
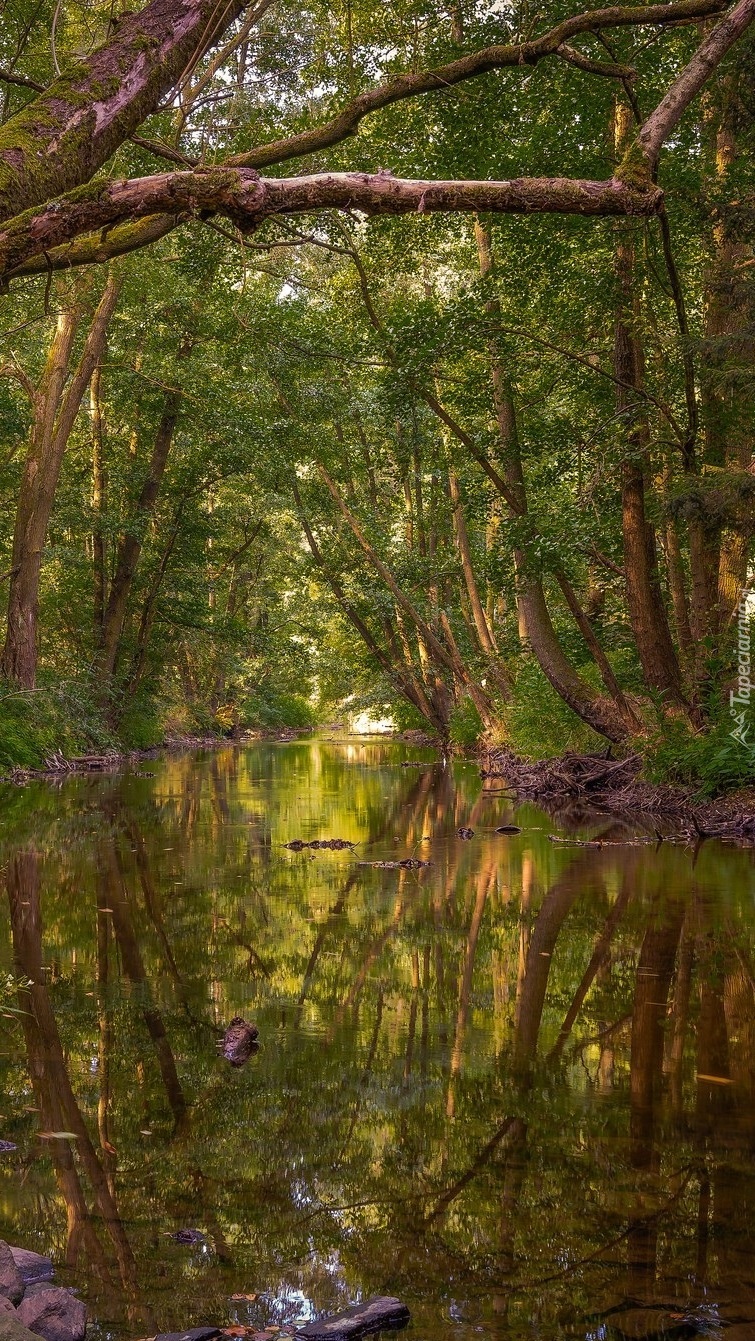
(248, 199)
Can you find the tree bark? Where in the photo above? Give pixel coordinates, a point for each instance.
(54, 411)
(647, 612)
(61, 138)
(130, 544)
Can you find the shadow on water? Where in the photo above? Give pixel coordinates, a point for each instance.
(515, 1087)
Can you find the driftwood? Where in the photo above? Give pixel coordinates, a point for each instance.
(332, 844)
(571, 775)
(362, 1320)
(407, 864)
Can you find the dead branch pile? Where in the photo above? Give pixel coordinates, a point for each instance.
(613, 786)
(570, 775)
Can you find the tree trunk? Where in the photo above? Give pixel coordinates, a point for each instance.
(484, 636)
(647, 612)
(130, 544)
(55, 411)
(598, 713)
(99, 556)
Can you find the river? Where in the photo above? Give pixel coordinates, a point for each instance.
(515, 1087)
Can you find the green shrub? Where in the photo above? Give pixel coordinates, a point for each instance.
(57, 718)
(465, 726)
(538, 724)
(140, 726)
(713, 761)
(271, 709)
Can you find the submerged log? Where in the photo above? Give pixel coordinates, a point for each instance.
(361, 1320)
(332, 844)
(239, 1041)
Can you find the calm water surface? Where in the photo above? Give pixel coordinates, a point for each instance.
(516, 1088)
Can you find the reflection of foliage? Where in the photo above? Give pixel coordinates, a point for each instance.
(9, 989)
(354, 1154)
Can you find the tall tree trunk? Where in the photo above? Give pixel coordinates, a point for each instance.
(54, 412)
(479, 617)
(603, 716)
(728, 395)
(131, 542)
(647, 612)
(99, 555)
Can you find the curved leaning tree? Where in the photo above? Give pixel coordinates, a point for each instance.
(61, 207)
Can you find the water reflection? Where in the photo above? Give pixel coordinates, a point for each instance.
(515, 1087)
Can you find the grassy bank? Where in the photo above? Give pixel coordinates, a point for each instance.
(65, 719)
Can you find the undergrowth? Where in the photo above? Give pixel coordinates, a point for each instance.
(713, 762)
(56, 718)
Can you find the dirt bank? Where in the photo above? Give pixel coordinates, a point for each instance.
(576, 784)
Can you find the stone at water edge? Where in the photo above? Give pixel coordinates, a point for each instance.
(11, 1280)
(361, 1320)
(194, 1334)
(55, 1314)
(33, 1266)
(13, 1330)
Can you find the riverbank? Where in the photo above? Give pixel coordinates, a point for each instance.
(615, 786)
(58, 766)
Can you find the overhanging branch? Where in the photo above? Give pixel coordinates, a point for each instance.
(346, 122)
(64, 136)
(248, 199)
(667, 115)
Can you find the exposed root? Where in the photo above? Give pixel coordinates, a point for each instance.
(597, 782)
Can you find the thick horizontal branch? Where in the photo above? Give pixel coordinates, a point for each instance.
(61, 138)
(346, 122)
(97, 248)
(248, 199)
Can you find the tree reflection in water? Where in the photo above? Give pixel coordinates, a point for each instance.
(515, 1087)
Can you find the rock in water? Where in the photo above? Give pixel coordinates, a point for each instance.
(194, 1334)
(10, 1327)
(55, 1314)
(11, 1280)
(239, 1041)
(33, 1266)
(360, 1320)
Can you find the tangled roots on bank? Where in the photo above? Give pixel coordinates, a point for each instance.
(614, 786)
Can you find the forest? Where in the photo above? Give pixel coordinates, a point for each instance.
(389, 360)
